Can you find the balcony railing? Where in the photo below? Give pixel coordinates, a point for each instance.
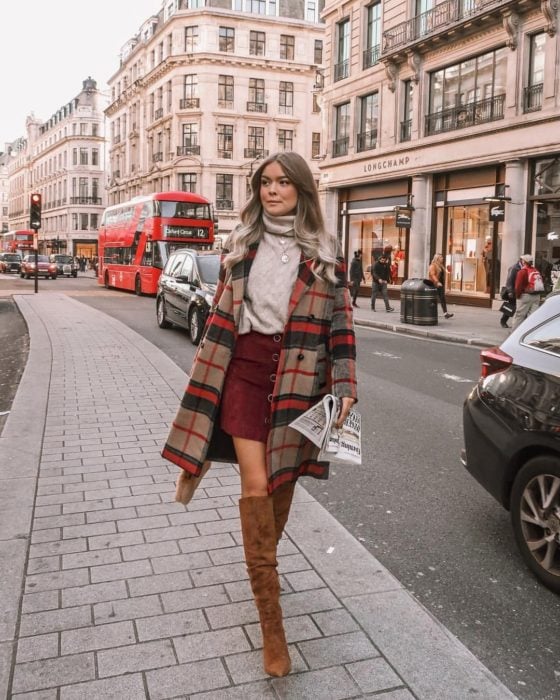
(257, 107)
(340, 147)
(371, 56)
(157, 157)
(117, 139)
(406, 130)
(158, 114)
(225, 154)
(189, 103)
(532, 98)
(224, 204)
(433, 21)
(366, 140)
(225, 104)
(188, 150)
(88, 200)
(255, 153)
(285, 109)
(462, 116)
(341, 70)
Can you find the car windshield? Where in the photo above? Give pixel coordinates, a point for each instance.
(209, 267)
(11, 257)
(62, 258)
(40, 258)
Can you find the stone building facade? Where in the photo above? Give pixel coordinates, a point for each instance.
(207, 89)
(444, 117)
(63, 159)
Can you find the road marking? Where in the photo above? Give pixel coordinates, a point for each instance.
(455, 378)
(386, 354)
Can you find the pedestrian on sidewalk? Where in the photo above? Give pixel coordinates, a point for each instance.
(280, 334)
(528, 288)
(508, 293)
(436, 275)
(356, 275)
(381, 276)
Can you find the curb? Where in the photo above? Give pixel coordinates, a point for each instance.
(421, 333)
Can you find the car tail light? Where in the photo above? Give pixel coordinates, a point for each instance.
(494, 360)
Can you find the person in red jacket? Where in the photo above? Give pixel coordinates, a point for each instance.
(527, 298)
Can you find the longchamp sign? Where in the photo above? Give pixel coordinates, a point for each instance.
(386, 164)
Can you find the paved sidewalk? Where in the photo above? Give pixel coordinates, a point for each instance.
(109, 589)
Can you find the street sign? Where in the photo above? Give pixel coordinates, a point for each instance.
(403, 218)
(497, 211)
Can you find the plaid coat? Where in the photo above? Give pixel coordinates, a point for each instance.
(318, 356)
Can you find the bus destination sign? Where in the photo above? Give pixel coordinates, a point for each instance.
(186, 232)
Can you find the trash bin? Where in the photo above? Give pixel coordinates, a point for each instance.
(419, 302)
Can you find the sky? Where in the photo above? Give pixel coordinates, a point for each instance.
(48, 48)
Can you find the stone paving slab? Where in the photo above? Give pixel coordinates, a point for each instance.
(115, 591)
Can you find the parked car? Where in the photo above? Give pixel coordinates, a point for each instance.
(65, 264)
(10, 262)
(45, 268)
(511, 422)
(186, 289)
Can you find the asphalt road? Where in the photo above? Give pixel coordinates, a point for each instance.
(412, 504)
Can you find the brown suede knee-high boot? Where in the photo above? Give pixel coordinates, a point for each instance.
(259, 541)
(282, 502)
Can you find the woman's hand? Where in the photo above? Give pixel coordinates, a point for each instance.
(346, 404)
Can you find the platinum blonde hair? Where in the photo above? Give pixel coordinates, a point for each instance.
(315, 241)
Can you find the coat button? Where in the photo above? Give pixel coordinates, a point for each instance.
(273, 378)
(275, 357)
(301, 356)
(267, 421)
(277, 338)
(269, 398)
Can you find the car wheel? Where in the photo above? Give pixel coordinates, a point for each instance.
(195, 326)
(160, 314)
(138, 286)
(535, 514)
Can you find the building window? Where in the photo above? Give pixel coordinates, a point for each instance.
(194, 4)
(311, 11)
(406, 124)
(285, 140)
(318, 52)
(225, 91)
(190, 92)
(224, 191)
(227, 39)
(532, 97)
(74, 222)
(286, 98)
(315, 144)
(255, 142)
(287, 45)
(342, 65)
(190, 135)
(373, 34)
(369, 113)
(341, 130)
(93, 221)
(257, 7)
(467, 93)
(256, 95)
(93, 130)
(84, 222)
(191, 39)
(74, 156)
(316, 107)
(187, 182)
(257, 43)
(95, 188)
(83, 129)
(95, 156)
(225, 141)
(83, 156)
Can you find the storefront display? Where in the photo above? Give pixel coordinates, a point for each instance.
(375, 233)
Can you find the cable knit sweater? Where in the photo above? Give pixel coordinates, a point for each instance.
(270, 283)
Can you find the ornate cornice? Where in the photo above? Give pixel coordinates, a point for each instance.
(511, 25)
(549, 8)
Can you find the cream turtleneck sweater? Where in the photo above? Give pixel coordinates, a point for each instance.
(270, 283)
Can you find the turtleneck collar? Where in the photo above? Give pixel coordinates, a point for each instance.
(279, 225)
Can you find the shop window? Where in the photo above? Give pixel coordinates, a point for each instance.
(377, 233)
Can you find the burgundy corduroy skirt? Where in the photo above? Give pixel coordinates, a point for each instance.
(247, 392)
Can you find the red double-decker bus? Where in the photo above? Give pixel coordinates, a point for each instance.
(17, 242)
(136, 237)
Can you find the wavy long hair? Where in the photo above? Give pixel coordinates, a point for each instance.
(310, 233)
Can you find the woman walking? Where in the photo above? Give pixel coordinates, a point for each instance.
(280, 335)
(436, 274)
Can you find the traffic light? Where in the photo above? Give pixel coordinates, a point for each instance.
(35, 211)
